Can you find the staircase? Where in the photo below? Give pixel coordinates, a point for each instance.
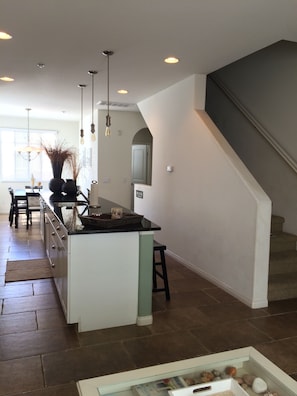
(282, 283)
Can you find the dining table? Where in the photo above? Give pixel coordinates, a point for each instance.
(21, 194)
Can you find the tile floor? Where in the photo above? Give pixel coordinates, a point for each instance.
(41, 355)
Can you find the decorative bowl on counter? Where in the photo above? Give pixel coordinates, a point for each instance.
(104, 220)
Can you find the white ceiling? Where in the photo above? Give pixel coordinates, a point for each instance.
(68, 36)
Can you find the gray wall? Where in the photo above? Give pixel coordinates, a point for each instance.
(265, 83)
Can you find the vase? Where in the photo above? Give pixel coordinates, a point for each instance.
(69, 187)
(55, 185)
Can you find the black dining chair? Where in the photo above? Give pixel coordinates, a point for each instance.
(33, 205)
(12, 209)
(18, 206)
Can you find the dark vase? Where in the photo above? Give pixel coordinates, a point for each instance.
(55, 185)
(69, 187)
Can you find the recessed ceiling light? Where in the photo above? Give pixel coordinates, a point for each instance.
(6, 79)
(171, 59)
(122, 91)
(5, 36)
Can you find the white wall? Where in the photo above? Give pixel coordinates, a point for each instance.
(114, 155)
(68, 131)
(215, 218)
(88, 153)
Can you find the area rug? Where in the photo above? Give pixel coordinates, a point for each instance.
(21, 270)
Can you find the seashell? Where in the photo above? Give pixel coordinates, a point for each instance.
(259, 385)
(216, 373)
(189, 381)
(248, 379)
(245, 386)
(239, 380)
(206, 376)
(230, 370)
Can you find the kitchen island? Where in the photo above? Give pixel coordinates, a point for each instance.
(103, 275)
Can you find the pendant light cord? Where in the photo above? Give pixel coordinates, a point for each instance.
(108, 84)
(81, 86)
(92, 73)
(28, 130)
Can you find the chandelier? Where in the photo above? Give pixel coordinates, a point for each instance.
(29, 152)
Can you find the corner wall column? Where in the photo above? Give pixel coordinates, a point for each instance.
(145, 285)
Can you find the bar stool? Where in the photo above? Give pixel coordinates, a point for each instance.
(158, 247)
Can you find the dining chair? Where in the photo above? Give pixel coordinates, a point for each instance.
(12, 209)
(33, 205)
(19, 208)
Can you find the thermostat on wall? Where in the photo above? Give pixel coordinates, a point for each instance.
(139, 194)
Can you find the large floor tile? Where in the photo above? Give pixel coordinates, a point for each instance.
(277, 326)
(113, 334)
(282, 352)
(20, 376)
(231, 335)
(178, 319)
(36, 343)
(16, 289)
(23, 304)
(219, 313)
(61, 390)
(43, 286)
(76, 364)
(17, 323)
(163, 348)
(184, 299)
(282, 306)
(51, 318)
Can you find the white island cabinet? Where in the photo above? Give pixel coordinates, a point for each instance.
(103, 280)
(245, 360)
(103, 277)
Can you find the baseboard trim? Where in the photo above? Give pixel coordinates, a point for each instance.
(144, 320)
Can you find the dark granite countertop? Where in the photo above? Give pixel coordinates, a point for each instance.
(69, 210)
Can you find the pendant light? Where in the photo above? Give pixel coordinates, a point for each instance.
(29, 152)
(93, 136)
(107, 53)
(82, 86)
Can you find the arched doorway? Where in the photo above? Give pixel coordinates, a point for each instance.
(142, 151)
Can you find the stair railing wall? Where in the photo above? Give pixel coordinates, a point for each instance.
(257, 125)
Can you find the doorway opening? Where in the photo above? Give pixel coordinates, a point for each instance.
(142, 153)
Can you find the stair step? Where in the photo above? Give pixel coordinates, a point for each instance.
(277, 224)
(283, 262)
(282, 242)
(282, 286)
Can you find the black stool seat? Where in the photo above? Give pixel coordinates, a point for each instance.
(162, 273)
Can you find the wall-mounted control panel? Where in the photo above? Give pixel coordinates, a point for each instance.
(139, 194)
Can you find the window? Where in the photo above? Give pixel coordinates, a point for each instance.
(13, 167)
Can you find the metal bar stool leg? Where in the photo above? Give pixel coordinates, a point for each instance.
(163, 273)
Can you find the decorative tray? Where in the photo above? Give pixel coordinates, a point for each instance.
(104, 220)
